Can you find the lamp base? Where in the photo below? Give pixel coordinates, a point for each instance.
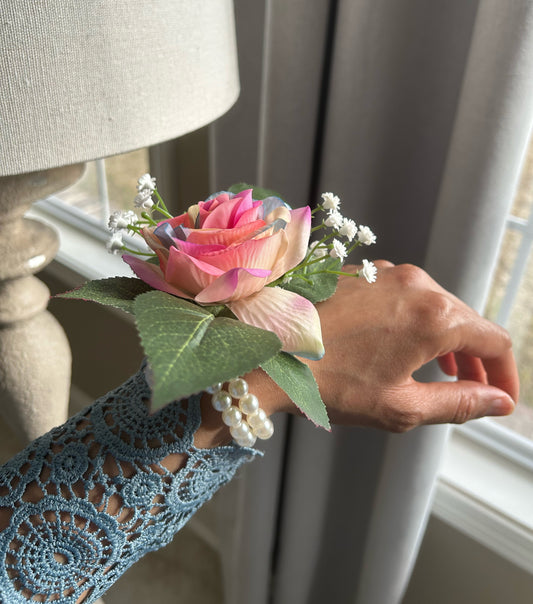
(35, 359)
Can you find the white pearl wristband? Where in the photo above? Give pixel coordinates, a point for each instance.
(244, 430)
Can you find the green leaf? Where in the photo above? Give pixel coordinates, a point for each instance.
(189, 348)
(257, 192)
(312, 283)
(296, 379)
(119, 292)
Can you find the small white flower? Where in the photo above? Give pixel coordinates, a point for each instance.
(366, 236)
(286, 279)
(369, 271)
(120, 220)
(330, 201)
(146, 182)
(318, 251)
(143, 199)
(115, 244)
(338, 250)
(348, 229)
(334, 220)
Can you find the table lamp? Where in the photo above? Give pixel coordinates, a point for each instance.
(81, 81)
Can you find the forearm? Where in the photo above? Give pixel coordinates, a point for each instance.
(85, 501)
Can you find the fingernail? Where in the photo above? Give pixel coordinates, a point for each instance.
(500, 406)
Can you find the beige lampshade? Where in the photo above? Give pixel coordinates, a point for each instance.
(84, 79)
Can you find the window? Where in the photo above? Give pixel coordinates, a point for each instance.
(510, 300)
(107, 185)
(80, 214)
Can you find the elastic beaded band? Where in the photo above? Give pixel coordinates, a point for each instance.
(244, 431)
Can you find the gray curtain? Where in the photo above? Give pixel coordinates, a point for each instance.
(417, 114)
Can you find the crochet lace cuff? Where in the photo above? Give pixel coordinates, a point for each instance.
(91, 497)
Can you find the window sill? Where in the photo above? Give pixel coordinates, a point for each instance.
(485, 487)
(82, 251)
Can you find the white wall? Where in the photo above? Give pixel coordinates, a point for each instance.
(454, 569)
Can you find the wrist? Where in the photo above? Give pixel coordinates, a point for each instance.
(272, 398)
(214, 432)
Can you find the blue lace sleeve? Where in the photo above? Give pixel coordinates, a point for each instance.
(63, 544)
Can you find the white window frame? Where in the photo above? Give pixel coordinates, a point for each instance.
(485, 487)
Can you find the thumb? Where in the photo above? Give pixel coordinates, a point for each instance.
(458, 402)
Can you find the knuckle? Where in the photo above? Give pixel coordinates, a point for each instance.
(383, 264)
(409, 275)
(400, 417)
(465, 409)
(506, 338)
(433, 313)
(350, 268)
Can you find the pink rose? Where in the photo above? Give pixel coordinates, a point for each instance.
(225, 251)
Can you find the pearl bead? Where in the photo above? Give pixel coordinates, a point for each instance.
(221, 400)
(265, 430)
(238, 387)
(214, 388)
(240, 430)
(231, 416)
(244, 431)
(256, 419)
(249, 404)
(248, 441)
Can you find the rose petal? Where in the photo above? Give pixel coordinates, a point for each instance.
(225, 236)
(197, 250)
(226, 214)
(234, 284)
(271, 203)
(246, 207)
(152, 274)
(167, 235)
(291, 317)
(183, 220)
(163, 259)
(297, 232)
(151, 239)
(280, 212)
(188, 273)
(208, 206)
(262, 253)
(249, 215)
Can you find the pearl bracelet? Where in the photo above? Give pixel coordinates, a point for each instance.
(244, 431)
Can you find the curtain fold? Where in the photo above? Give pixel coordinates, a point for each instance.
(417, 114)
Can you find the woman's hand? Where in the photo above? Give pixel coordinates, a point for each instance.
(377, 335)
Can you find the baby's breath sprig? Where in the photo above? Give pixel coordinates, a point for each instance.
(123, 222)
(331, 244)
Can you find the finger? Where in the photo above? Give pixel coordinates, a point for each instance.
(503, 373)
(458, 402)
(470, 368)
(447, 364)
(478, 337)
